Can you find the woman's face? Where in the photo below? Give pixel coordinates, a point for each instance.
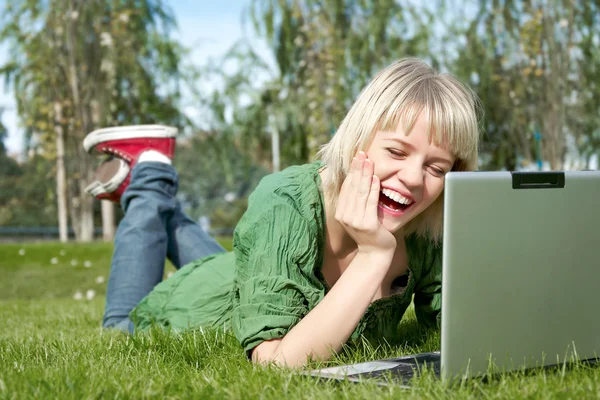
(411, 170)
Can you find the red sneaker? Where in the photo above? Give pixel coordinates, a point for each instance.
(128, 142)
(112, 178)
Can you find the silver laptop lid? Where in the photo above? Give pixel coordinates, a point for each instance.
(521, 270)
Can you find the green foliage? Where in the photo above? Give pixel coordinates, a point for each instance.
(3, 135)
(227, 214)
(324, 53)
(27, 192)
(211, 166)
(10, 173)
(75, 66)
(122, 54)
(533, 65)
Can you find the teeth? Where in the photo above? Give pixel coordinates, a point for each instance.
(397, 197)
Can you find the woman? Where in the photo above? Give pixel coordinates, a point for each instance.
(326, 252)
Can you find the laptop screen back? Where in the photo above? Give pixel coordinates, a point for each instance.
(521, 270)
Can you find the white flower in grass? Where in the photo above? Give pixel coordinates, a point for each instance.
(21, 252)
(54, 260)
(78, 295)
(90, 294)
(74, 262)
(62, 252)
(170, 274)
(87, 264)
(100, 279)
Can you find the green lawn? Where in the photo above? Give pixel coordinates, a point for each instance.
(51, 346)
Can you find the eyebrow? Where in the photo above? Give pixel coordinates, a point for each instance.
(412, 148)
(402, 142)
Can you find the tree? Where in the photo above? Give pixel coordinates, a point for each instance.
(325, 52)
(225, 157)
(79, 65)
(215, 177)
(534, 64)
(10, 171)
(26, 194)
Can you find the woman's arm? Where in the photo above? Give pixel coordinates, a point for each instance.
(329, 325)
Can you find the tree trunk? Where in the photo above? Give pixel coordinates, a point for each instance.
(274, 143)
(86, 209)
(107, 208)
(86, 213)
(74, 207)
(558, 58)
(108, 220)
(61, 178)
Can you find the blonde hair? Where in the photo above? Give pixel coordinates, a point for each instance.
(398, 94)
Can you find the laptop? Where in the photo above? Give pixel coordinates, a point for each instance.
(520, 277)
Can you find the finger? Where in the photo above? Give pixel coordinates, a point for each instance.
(352, 193)
(366, 174)
(346, 192)
(364, 188)
(356, 170)
(373, 200)
(341, 200)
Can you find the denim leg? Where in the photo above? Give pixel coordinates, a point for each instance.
(187, 240)
(141, 241)
(154, 227)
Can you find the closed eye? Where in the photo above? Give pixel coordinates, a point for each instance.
(396, 153)
(437, 171)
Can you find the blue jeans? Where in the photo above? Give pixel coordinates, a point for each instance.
(154, 228)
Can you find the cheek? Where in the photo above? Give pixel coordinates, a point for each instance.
(433, 189)
(382, 165)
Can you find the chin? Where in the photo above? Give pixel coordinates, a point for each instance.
(392, 226)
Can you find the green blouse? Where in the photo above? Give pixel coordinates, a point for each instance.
(272, 279)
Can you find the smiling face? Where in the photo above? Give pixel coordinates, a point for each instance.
(393, 98)
(411, 169)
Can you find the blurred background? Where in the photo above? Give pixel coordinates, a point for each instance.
(257, 85)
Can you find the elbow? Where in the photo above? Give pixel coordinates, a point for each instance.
(267, 353)
(270, 353)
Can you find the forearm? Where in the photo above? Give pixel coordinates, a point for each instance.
(329, 325)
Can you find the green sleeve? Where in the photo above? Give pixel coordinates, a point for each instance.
(276, 252)
(428, 291)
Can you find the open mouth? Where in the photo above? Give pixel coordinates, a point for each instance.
(394, 201)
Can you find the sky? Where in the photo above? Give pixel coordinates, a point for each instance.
(209, 27)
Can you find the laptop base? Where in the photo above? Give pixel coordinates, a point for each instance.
(399, 369)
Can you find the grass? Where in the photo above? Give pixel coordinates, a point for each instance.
(51, 346)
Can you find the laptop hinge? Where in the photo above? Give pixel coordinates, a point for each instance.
(538, 180)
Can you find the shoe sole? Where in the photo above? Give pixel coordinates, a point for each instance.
(127, 132)
(102, 186)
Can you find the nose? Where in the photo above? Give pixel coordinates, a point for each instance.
(412, 175)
